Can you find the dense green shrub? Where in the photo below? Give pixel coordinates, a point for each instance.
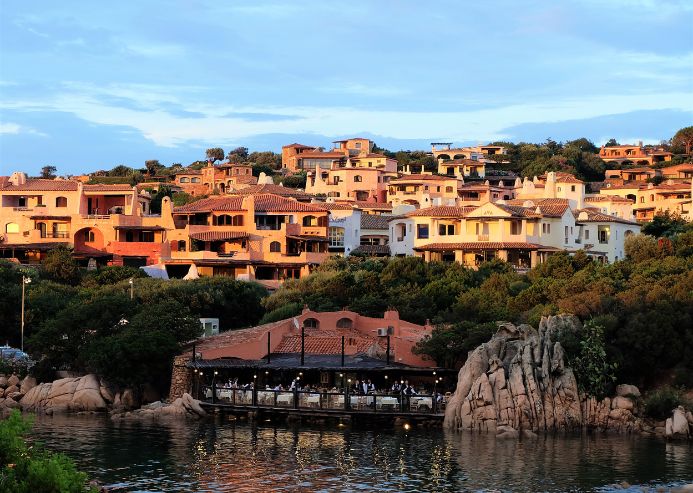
(659, 403)
(283, 312)
(31, 469)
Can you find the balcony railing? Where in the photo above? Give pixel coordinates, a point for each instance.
(22, 209)
(482, 237)
(96, 216)
(332, 400)
(55, 234)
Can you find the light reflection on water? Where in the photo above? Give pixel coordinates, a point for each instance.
(236, 456)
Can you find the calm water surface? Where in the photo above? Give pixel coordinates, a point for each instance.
(240, 457)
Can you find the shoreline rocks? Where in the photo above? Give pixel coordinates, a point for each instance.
(182, 407)
(519, 381)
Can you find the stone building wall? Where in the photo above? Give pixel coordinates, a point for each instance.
(181, 377)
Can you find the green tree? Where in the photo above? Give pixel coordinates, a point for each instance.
(60, 266)
(155, 204)
(665, 224)
(262, 168)
(48, 172)
(611, 143)
(152, 165)
(121, 170)
(214, 154)
(238, 155)
(684, 138)
(641, 247)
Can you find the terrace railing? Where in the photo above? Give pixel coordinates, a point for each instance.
(313, 400)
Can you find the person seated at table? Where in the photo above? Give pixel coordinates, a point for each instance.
(279, 387)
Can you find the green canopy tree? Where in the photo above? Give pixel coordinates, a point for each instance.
(684, 138)
(214, 154)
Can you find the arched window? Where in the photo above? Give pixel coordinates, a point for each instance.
(61, 201)
(358, 179)
(195, 179)
(344, 323)
(311, 323)
(42, 228)
(275, 246)
(224, 220)
(12, 228)
(185, 179)
(88, 236)
(181, 246)
(309, 221)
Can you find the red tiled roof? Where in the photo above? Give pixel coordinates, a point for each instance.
(333, 206)
(441, 211)
(268, 202)
(325, 342)
(372, 250)
(218, 235)
(607, 198)
(273, 189)
(117, 187)
(420, 177)
(594, 216)
(299, 146)
(369, 205)
(562, 177)
(245, 180)
(231, 203)
(519, 211)
(478, 245)
(372, 221)
(42, 185)
(548, 207)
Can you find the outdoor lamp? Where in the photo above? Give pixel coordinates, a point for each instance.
(385, 377)
(216, 372)
(434, 373)
(300, 373)
(254, 376)
(266, 373)
(341, 374)
(349, 380)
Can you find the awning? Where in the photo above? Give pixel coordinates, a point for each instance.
(307, 238)
(57, 218)
(478, 245)
(219, 235)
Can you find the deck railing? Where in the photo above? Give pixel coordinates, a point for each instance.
(327, 400)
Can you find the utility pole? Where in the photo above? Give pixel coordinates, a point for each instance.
(132, 289)
(25, 281)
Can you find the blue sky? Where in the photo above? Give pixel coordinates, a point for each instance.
(90, 85)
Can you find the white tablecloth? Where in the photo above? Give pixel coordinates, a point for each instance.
(388, 401)
(421, 402)
(285, 399)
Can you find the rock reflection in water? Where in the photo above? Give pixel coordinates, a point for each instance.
(236, 456)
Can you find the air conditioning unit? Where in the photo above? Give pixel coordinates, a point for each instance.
(382, 332)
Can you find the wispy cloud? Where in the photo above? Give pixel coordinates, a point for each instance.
(17, 129)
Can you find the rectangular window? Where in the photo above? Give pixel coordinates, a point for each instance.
(603, 233)
(422, 231)
(587, 234)
(446, 229)
(147, 236)
(336, 236)
(515, 227)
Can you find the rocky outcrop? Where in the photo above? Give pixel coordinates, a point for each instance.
(678, 425)
(66, 394)
(182, 407)
(519, 381)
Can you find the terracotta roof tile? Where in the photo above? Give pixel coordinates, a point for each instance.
(478, 245)
(42, 185)
(268, 202)
(231, 203)
(372, 250)
(274, 189)
(372, 221)
(215, 235)
(368, 205)
(590, 215)
(117, 187)
(442, 211)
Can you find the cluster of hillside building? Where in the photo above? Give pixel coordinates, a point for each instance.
(355, 202)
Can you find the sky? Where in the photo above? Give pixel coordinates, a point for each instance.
(91, 85)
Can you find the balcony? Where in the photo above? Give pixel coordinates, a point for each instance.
(482, 237)
(55, 234)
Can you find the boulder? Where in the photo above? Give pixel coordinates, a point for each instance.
(625, 390)
(27, 384)
(87, 395)
(13, 380)
(620, 402)
(11, 388)
(15, 396)
(3, 381)
(106, 392)
(677, 425)
(128, 399)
